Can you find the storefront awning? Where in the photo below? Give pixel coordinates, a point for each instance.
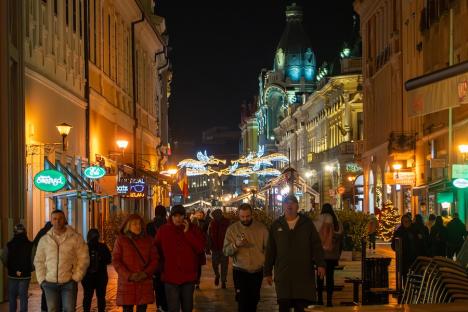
(438, 90)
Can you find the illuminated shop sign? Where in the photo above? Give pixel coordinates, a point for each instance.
(49, 180)
(401, 177)
(94, 172)
(132, 187)
(353, 167)
(459, 171)
(460, 183)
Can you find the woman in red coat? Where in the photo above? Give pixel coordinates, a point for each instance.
(179, 245)
(135, 259)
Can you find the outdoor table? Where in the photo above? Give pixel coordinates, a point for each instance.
(447, 307)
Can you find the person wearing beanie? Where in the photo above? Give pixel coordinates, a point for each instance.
(17, 257)
(179, 245)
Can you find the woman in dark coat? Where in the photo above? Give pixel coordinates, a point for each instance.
(408, 240)
(135, 260)
(438, 238)
(421, 236)
(96, 277)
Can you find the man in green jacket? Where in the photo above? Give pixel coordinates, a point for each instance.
(293, 248)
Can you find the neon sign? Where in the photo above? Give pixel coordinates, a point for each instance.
(460, 183)
(94, 172)
(49, 180)
(132, 188)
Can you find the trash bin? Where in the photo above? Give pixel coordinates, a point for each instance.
(375, 275)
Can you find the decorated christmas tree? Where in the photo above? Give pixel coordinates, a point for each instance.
(389, 219)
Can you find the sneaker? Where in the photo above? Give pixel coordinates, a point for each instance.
(223, 285)
(216, 281)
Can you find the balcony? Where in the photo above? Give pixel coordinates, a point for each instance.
(354, 149)
(401, 143)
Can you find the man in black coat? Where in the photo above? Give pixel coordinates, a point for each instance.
(294, 246)
(456, 235)
(17, 257)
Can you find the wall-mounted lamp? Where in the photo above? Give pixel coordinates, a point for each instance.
(397, 167)
(122, 145)
(463, 148)
(64, 130)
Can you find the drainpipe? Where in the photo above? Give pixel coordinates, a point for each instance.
(135, 92)
(86, 74)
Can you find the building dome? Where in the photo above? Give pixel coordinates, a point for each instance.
(294, 55)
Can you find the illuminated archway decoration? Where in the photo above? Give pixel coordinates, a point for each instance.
(254, 163)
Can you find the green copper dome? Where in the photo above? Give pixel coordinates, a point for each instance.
(294, 55)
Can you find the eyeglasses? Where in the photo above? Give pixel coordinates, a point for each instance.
(139, 188)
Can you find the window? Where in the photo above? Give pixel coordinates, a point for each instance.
(81, 21)
(108, 44)
(74, 15)
(66, 12)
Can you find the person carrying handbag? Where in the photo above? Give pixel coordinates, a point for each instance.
(135, 259)
(330, 231)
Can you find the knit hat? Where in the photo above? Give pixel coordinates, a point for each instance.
(178, 209)
(290, 198)
(19, 229)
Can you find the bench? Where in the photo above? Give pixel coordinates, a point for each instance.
(356, 281)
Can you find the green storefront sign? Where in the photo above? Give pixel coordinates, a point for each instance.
(49, 180)
(459, 171)
(94, 172)
(445, 197)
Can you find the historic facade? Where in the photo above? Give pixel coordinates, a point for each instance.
(102, 68)
(12, 164)
(324, 138)
(290, 80)
(413, 121)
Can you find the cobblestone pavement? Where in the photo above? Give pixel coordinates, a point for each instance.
(210, 298)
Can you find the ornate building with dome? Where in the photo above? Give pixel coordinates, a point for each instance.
(292, 77)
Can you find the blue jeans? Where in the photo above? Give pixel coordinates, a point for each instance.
(179, 297)
(66, 292)
(18, 287)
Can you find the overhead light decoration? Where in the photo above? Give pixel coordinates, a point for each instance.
(254, 163)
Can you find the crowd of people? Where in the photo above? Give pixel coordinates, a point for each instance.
(439, 236)
(162, 261)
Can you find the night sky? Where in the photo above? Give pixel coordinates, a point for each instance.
(219, 47)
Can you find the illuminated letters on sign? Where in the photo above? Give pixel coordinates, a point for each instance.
(49, 180)
(94, 172)
(132, 188)
(460, 183)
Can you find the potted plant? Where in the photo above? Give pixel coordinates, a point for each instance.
(355, 228)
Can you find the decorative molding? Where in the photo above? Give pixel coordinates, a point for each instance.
(80, 102)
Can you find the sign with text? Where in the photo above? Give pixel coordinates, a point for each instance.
(460, 183)
(353, 167)
(459, 171)
(94, 172)
(401, 177)
(132, 188)
(437, 163)
(49, 180)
